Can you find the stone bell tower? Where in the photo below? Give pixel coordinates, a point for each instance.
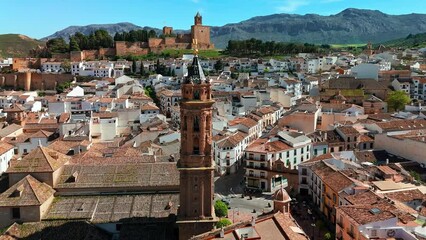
(196, 212)
(198, 19)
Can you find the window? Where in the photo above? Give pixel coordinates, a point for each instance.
(262, 157)
(262, 174)
(196, 150)
(324, 151)
(118, 227)
(373, 232)
(279, 167)
(197, 95)
(196, 124)
(288, 154)
(304, 171)
(251, 156)
(16, 213)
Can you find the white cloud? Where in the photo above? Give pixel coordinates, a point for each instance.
(292, 5)
(195, 1)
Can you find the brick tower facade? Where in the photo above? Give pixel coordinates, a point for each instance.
(196, 211)
(201, 33)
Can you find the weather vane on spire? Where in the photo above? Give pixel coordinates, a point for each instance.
(195, 46)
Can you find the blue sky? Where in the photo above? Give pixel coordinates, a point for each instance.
(40, 18)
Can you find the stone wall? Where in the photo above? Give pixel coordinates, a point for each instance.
(33, 81)
(127, 48)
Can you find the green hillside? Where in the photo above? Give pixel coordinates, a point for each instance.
(411, 41)
(16, 45)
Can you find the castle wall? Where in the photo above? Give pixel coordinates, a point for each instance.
(154, 42)
(33, 81)
(60, 56)
(25, 63)
(76, 56)
(123, 48)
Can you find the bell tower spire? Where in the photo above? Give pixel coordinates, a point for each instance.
(196, 211)
(198, 19)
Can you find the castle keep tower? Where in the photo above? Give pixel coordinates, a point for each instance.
(196, 212)
(201, 33)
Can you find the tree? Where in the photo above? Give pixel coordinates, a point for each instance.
(74, 44)
(61, 87)
(142, 71)
(66, 65)
(218, 66)
(327, 236)
(57, 45)
(223, 223)
(220, 209)
(157, 66)
(152, 34)
(134, 66)
(397, 100)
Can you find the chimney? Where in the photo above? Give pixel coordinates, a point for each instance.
(222, 233)
(387, 161)
(253, 221)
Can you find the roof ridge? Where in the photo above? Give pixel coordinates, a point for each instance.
(27, 178)
(47, 157)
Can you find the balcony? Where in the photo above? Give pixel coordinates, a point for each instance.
(257, 167)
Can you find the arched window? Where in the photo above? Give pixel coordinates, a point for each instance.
(196, 94)
(196, 148)
(196, 124)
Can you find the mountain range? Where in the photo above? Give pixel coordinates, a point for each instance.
(349, 26)
(86, 30)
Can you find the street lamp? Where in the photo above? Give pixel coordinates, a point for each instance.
(313, 230)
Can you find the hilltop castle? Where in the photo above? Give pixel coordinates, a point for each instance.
(154, 45)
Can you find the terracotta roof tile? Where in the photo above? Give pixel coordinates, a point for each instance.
(406, 196)
(41, 159)
(27, 192)
(4, 147)
(362, 214)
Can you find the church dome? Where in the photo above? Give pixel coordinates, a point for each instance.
(281, 195)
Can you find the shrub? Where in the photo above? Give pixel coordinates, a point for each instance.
(328, 236)
(223, 223)
(220, 209)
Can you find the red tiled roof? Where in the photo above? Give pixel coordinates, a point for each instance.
(27, 192)
(41, 159)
